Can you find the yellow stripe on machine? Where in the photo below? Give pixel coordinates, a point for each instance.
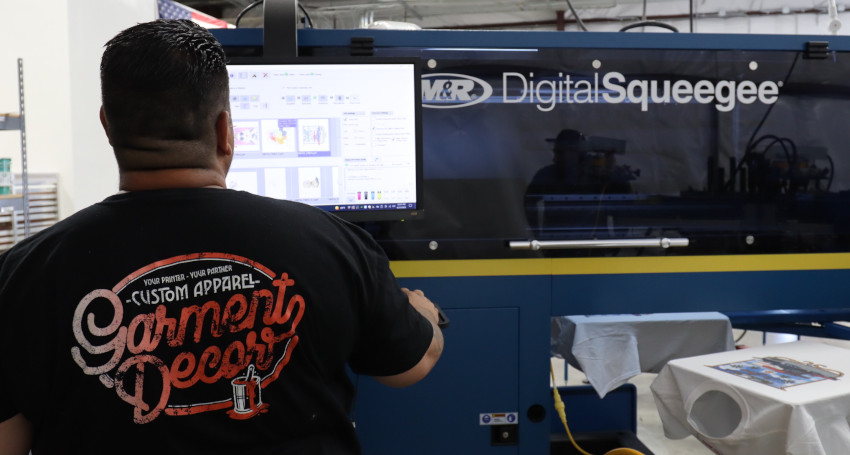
(620, 265)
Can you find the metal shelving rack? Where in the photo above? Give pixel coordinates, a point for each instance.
(18, 122)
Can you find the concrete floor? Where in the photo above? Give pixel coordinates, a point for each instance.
(650, 431)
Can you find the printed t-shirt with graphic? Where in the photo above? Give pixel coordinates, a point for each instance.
(198, 321)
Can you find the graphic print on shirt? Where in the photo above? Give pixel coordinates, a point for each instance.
(779, 372)
(209, 325)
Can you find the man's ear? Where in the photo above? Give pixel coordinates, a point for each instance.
(105, 124)
(224, 133)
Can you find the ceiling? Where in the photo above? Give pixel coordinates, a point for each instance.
(501, 14)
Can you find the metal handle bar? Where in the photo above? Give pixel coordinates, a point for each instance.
(663, 242)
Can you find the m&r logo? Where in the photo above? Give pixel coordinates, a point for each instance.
(450, 90)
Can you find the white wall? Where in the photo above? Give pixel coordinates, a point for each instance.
(61, 42)
(36, 32)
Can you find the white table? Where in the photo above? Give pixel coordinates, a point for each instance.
(789, 398)
(611, 349)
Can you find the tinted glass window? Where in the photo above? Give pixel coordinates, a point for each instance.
(739, 152)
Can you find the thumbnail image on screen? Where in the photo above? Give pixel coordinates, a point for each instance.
(340, 136)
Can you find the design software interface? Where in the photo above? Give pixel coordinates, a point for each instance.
(338, 136)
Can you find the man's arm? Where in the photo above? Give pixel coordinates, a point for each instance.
(15, 436)
(427, 309)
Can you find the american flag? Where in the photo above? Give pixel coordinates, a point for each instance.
(173, 10)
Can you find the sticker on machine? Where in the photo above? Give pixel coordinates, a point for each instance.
(498, 418)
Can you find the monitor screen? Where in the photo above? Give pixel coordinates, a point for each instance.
(340, 135)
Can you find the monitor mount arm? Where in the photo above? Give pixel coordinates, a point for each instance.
(280, 29)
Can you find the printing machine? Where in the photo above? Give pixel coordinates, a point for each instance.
(712, 174)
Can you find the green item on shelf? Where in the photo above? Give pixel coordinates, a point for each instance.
(5, 176)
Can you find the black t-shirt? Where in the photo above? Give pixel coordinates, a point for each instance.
(198, 321)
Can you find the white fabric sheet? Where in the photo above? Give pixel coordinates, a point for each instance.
(611, 349)
(789, 398)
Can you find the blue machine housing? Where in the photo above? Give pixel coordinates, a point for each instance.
(759, 188)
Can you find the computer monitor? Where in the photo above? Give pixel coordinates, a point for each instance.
(343, 135)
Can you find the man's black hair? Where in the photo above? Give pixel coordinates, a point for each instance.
(165, 79)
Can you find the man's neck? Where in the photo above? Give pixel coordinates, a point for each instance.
(171, 178)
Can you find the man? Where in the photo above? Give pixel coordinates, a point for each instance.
(182, 317)
(552, 207)
(563, 176)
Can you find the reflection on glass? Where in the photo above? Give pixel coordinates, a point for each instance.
(582, 170)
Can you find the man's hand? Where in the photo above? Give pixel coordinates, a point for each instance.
(422, 304)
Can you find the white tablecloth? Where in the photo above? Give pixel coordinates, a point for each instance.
(790, 398)
(611, 349)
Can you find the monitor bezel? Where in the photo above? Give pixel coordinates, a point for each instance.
(368, 215)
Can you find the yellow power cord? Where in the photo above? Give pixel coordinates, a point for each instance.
(559, 408)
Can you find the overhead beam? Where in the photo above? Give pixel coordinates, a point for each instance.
(620, 19)
(411, 9)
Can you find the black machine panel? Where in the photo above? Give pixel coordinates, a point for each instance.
(737, 151)
(740, 152)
